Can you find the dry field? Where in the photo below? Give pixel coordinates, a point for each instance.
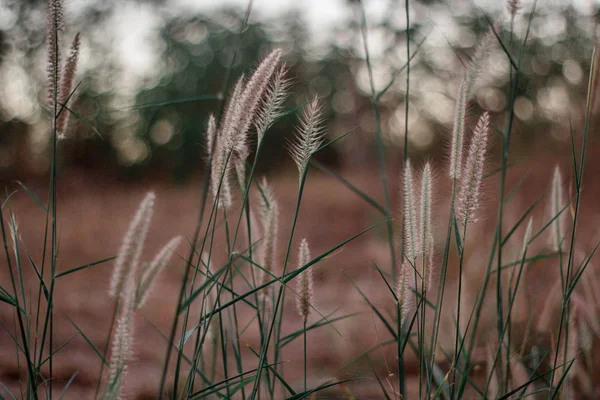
(93, 215)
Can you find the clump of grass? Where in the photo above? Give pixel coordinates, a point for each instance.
(512, 366)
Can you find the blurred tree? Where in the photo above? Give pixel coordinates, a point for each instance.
(162, 133)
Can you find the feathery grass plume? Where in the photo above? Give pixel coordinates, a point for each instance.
(305, 283)
(458, 131)
(62, 124)
(405, 276)
(557, 203)
(227, 129)
(251, 99)
(426, 234)
(477, 63)
(410, 216)
(513, 7)
(309, 137)
(469, 195)
(54, 30)
(527, 236)
(121, 349)
(270, 220)
(131, 247)
(272, 107)
(159, 263)
(224, 147)
(211, 135)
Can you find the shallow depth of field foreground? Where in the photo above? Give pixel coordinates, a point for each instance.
(246, 203)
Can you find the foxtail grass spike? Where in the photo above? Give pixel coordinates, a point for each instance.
(513, 7)
(131, 247)
(557, 203)
(159, 263)
(225, 138)
(309, 137)
(220, 183)
(477, 63)
(251, 99)
(458, 132)
(272, 107)
(411, 240)
(527, 236)
(228, 129)
(270, 220)
(54, 30)
(403, 293)
(470, 185)
(426, 234)
(62, 124)
(121, 349)
(305, 283)
(211, 136)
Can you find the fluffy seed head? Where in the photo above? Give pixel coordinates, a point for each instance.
(477, 63)
(426, 234)
(270, 220)
(527, 236)
(557, 204)
(513, 7)
(131, 247)
(272, 107)
(309, 136)
(54, 29)
(211, 135)
(121, 351)
(458, 132)
(305, 283)
(62, 124)
(410, 216)
(469, 194)
(159, 263)
(252, 97)
(233, 140)
(220, 177)
(402, 289)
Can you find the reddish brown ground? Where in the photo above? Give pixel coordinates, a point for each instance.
(93, 217)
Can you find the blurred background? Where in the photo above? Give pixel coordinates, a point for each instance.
(152, 71)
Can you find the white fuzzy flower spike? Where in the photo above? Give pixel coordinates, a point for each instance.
(305, 283)
(131, 247)
(309, 137)
(469, 194)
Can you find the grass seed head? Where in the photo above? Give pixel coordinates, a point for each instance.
(150, 274)
(62, 124)
(309, 136)
(470, 185)
(458, 132)
(270, 221)
(272, 107)
(305, 288)
(131, 247)
(426, 232)
(411, 241)
(54, 30)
